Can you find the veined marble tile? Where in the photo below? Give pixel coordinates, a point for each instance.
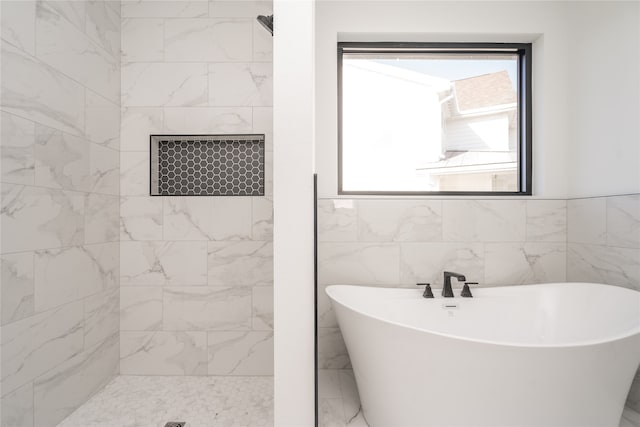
(142, 40)
(337, 221)
(358, 263)
(164, 84)
(332, 353)
(202, 308)
(32, 346)
(329, 384)
(163, 263)
(525, 263)
(399, 220)
(18, 24)
(17, 286)
(101, 218)
(36, 91)
(351, 400)
(102, 121)
(241, 84)
(240, 9)
(69, 274)
(262, 43)
(603, 264)
(74, 12)
(35, 218)
(140, 308)
(104, 170)
(426, 262)
(17, 149)
(240, 353)
(240, 263)
(587, 220)
(163, 353)
(187, 218)
(484, 220)
(263, 121)
(61, 160)
(326, 315)
(61, 390)
(101, 317)
(141, 218)
(262, 308)
(103, 24)
(69, 50)
(138, 123)
(207, 120)
(231, 218)
(134, 173)
(623, 221)
(331, 413)
(17, 407)
(262, 216)
(163, 9)
(546, 221)
(210, 40)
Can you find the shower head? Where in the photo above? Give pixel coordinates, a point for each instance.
(266, 22)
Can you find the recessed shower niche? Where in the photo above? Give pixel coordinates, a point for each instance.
(207, 165)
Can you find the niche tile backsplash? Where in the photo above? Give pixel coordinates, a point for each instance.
(207, 165)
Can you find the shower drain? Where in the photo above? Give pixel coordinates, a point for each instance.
(176, 424)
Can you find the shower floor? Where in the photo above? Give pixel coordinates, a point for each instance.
(152, 401)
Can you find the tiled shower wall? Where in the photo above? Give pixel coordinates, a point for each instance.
(402, 242)
(60, 122)
(196, 272)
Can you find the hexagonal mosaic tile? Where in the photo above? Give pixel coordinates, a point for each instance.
(211, 165)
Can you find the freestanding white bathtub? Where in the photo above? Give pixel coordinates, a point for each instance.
(537, 355)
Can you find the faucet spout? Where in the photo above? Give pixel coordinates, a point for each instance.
(447, 291)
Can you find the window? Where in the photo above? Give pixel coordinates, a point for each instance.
(434, 119)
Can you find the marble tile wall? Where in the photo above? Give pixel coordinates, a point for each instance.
(401, 242)
(384, 242)
(604, 247)
(196, 275)
(59, 153)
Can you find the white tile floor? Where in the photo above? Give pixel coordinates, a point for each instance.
(151, 401)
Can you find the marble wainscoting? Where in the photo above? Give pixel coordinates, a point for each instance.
(604, 247)
(378, 242)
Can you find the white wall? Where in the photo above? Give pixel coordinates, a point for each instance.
(543, 23)
(604, 94)
(293, 213)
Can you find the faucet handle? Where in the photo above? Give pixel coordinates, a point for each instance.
(466, 292)
(428, 293)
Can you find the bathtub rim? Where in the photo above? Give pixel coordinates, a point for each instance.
(584, 343)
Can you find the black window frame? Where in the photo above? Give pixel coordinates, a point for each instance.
(525, 132)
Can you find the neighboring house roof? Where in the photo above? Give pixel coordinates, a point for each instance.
(472, 161)
(484, 91)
